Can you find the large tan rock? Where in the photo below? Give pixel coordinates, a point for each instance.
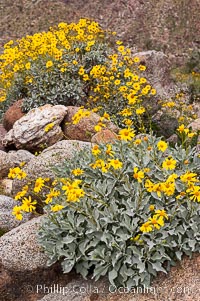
(196, 107)
(3, 168)
(84, 130)
(7, 219)
(19, 249)
(164, 124)
(104, 136)
(13, 114)
(158, 75)
(2, 135)
(30, 132)
(195, 125)
(158, 68)
(6, 186)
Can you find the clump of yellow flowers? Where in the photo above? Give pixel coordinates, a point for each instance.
(108, 160)
(72, 190)
(125, 208)
(75, 64)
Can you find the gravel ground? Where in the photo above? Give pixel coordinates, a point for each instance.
(168, 25)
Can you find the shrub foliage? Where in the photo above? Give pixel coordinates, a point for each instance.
(127, 210)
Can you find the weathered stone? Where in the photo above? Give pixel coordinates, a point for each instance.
(6, 186)
(196, 107)
(195, 125)
(19, 249)
(7, 220)
(23, 265)
(164, 124)
(84, 130)
(104, 136)
(3, 167)
(41, 166)
(158, 74)
(30, 132)
(25, 285)
(13, 114)
(173, 139)
(2, 135)
(158, 69)
(13, 159)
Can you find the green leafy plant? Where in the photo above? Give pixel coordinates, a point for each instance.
(127, 210)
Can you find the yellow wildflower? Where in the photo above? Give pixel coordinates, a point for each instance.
(142, 67)
(182, 129)
(109, 151)
(156, 222)
(149, 185)
(52, 194)
(99, 126)
(81, 71)
(169, 163)
(28, 65)
(56, 208)
(146, 227)
(151, 207)
(117, 82)
(189, 177)
(161, 213)
(95, 150)
(126, 112)
(126, 134)
(17, 211)
(17, 173)
(49, 64)
(153, 92)
(115, 163)
(128, 122)
(136, 59)
(194, 193)
(157, 188)
(140, 111)
(49, 126)
(138, 141)
(138, 174)
(39, 183)
(168, 188)
(77, 172)
(162, 146)
(28, 204)
(22, 193)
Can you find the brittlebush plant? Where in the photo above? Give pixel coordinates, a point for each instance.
(75, 64)
(126, 210)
